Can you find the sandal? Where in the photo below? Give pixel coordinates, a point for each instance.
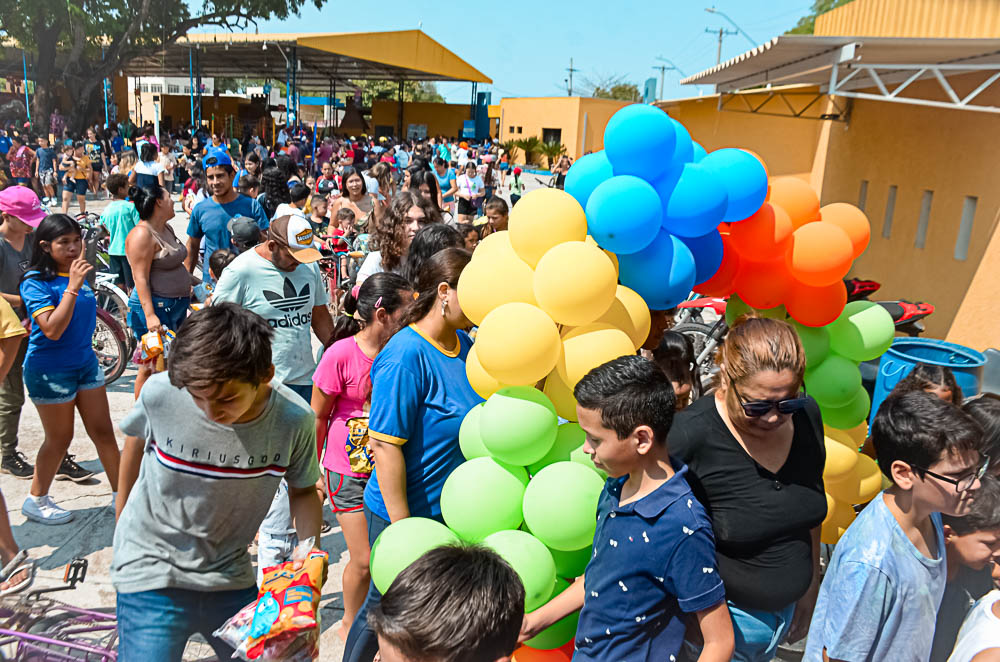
(19, 564)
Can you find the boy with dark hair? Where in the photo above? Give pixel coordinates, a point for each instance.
(249, 186)
(973, 547)
(454, 603)
(653, 567)
(207, 443)
(880, 596)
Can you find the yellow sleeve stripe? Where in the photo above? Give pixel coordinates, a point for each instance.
(388, 438)
(42, 310)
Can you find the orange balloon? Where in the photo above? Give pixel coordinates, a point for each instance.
(816, 306)
(529, 654)
(723, 283)
(851, 220)
(763, 284)
(764, 236)
(819, 254)
(797, 198)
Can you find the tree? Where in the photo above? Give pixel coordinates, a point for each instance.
(613, 87)
(529, 147)
(552, 151)
(79, 43)
(389, 89)
(807, 24)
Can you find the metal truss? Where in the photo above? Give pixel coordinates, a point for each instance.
(778, 103)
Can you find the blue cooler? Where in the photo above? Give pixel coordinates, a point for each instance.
(966, 364)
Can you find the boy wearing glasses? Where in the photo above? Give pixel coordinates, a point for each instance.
(883, 588)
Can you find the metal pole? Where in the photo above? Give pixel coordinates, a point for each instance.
(191, 83)
(718, 53)
(399, 120)
(27, 103)
(333, 117)
(104, 86)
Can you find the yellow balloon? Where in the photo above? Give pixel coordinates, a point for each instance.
(518, 344)
(845, 488)
(480, 380)
(611, 256)
(869, 478)
(542, 219)
(858, 434)
(574, 283)
(498, 241)
(840, 436)
(830, 506)
(561, 396)
(839, 460)
(586, 347)
(834, 527)
(629, 313)
(492, 280)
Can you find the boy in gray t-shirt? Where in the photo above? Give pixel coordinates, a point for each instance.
(208, 442)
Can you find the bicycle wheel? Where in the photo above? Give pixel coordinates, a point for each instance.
(700, 335)
(115, 301)
(110, 346)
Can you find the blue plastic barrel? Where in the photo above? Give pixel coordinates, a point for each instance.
(965, 363)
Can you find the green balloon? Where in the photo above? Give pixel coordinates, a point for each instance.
(560, 632)
(580, 457)
(735, 307)
(777, 313)
(518, 425)
(571, 564)
(402, 543)
(834, 382)
(530, 560)
(560, 505)
(483, 496)
(850, 415)
(815, 342)
(863, 332)
(468, 434)
(569, 437)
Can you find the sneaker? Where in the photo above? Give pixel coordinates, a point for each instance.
(45, 511)
(70, 470)
(16, 465)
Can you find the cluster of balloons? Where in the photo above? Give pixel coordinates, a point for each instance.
(526, 490)
(656, 200)
(850, 478)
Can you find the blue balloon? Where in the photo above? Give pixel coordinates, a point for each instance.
(585, 175)
(696, 204)
(624, 214)
(699, 153)
(707, 252)
(745, 180)
(663, 273)
(684, 147)
(639, 140)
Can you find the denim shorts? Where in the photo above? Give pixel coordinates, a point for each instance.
(78, 186)
(47, 387)
(171, 311)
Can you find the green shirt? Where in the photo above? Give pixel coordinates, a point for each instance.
(516, 185)
(119, 218)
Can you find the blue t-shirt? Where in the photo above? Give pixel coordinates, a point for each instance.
(653, 562)
(4, 144)
(75, 348)
(880, 596)
(46, 158)
(444, 182)
(402, 160)
(210, 219)
(420, 394)
(117, 144)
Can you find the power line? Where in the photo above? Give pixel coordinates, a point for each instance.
(571, 71)
(722, 33)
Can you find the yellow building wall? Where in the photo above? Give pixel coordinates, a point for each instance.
(594, 116)
(524, 117)
(441, 118)
(912, 18)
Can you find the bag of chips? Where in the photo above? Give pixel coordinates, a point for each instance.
(283, 623)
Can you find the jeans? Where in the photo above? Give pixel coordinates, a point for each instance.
(48, 387)
(304, 391)
(172, 311)
(273, 549)
(362, 644)
(11, 402)
(757, 633)
(156, 625)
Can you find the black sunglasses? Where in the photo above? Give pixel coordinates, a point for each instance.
(758, 408)
(965, 482)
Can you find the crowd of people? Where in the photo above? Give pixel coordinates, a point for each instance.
(246, 431)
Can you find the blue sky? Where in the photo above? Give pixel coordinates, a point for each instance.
(525, 47)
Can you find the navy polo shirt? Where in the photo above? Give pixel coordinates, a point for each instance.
(653, 561)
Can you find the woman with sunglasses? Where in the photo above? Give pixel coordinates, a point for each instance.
(755, 455)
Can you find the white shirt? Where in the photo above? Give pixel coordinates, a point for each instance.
(285, 209)
(148, 168)
(371, 266)
(980, 631)
(471, 186)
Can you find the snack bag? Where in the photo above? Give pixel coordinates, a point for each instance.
(154, 348)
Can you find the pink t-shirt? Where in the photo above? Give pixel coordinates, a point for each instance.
(344, 372)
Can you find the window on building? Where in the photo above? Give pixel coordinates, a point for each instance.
(145, 88)
(925, 219)
(965, 227)
(156, 89)
(173, 89)
(890, 209)
(519, 129)
(863, 195)
(552, 136)
(511, 129)
(187, 89)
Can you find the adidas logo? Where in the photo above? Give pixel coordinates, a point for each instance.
(289, 300)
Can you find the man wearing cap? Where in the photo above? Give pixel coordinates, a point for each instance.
(21, 212)
(210, 217)
(244, 233)
(280, 281)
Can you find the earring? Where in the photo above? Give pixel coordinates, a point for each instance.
(444, 307)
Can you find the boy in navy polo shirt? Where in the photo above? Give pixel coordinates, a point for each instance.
(653, 567)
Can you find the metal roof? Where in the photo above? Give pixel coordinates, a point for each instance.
(408, 55)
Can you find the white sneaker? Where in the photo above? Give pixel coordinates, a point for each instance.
(45, 511)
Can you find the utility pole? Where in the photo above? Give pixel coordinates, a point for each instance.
(663, 68)
(571, 70)
(722, 33)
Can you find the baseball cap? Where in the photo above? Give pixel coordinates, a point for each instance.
(23, 204)
(517, 171)
(295, 234)
(244, 231)
(216, 157)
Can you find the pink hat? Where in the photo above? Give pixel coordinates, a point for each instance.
(23, 204)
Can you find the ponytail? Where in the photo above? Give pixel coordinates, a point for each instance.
(382, 290)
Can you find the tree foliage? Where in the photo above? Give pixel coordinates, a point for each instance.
(387, 89)
(78, 43)
(529, 147)
(552, 151)
(807, 24)
(613, 87)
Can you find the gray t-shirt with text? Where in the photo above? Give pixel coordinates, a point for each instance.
(13, 264)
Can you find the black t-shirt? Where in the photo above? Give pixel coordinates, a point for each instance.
(762, 520)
